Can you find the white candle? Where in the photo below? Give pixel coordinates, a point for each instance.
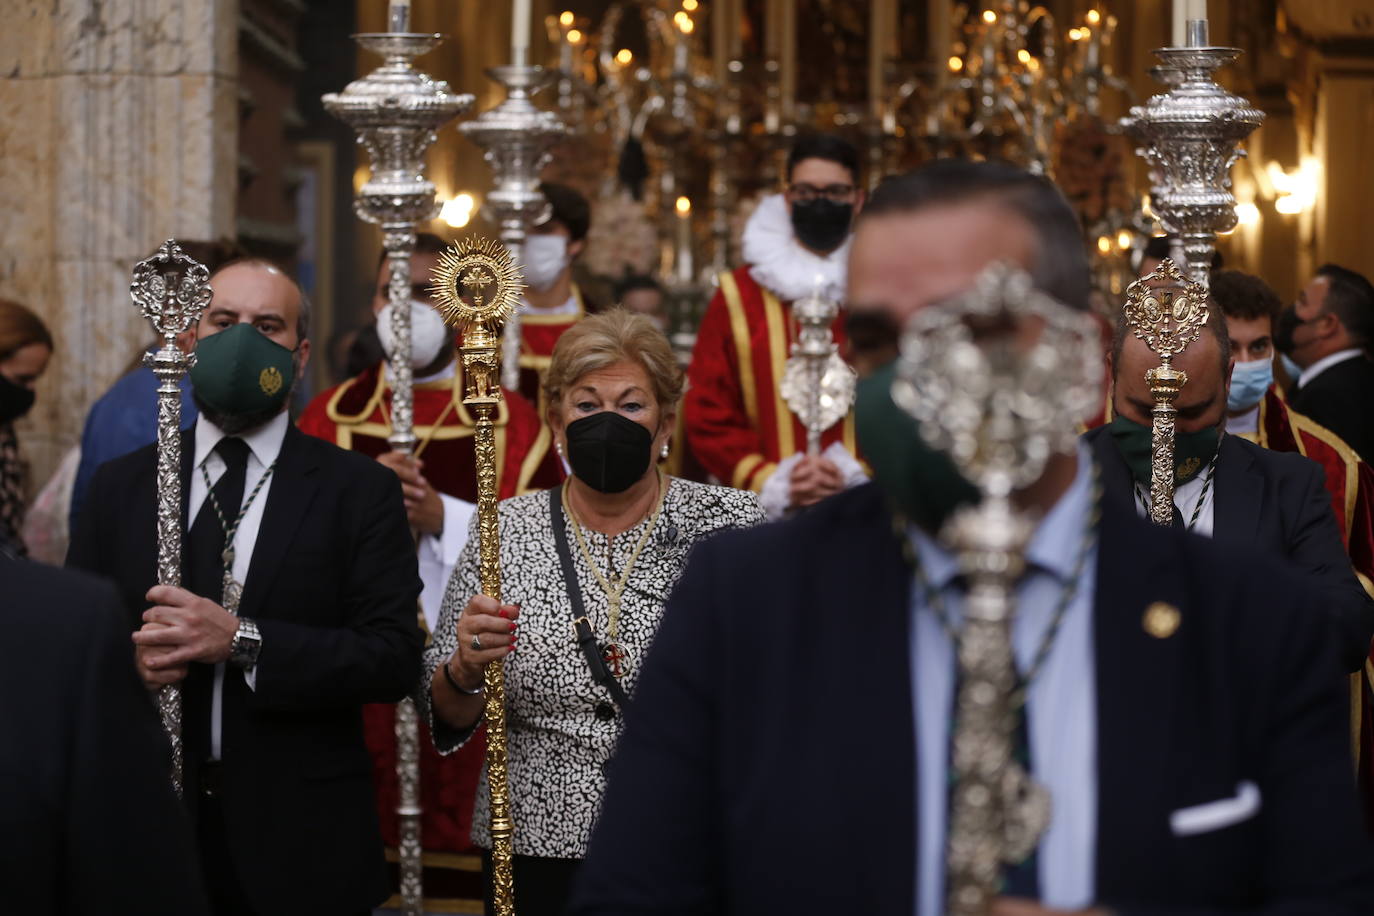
(398, 16)
(1178, 36)
(520, 33)
(683, 258)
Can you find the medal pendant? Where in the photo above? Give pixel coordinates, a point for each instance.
(617, 659)
(233, 593)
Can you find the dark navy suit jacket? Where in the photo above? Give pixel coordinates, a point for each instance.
(768, 761)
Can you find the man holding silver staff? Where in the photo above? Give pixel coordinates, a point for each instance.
(298, 607)
(1180, 704)
(1255, 499)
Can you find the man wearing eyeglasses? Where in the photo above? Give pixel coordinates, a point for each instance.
(795, 244)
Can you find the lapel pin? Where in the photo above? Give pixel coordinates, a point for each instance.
(1162, 620)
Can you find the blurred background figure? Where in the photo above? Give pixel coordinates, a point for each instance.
(25, 348)
(643, 295)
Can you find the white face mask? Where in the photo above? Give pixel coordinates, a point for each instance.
(428, 333)
(545, 257)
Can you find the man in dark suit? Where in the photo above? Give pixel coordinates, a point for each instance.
(1328, 333)
(1260, 501)
(787, 747)
(312, 543)
(88, 820)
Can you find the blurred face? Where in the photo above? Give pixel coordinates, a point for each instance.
(554, 227)
(901, 263)
(422, 267)
(1201, 403)
(1251, 338)
(25, 365)
(261, 296)
(1317, 323)
(813, 178)
(624, 387)
(645, 301)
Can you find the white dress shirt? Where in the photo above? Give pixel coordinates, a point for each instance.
(1186, 496)
(1326, 362)
(1062, 703)
(1246, 423)
(264, 445)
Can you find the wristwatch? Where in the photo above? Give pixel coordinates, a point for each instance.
(243, 651)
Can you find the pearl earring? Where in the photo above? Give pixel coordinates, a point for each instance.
(663, 452)
(558, 447)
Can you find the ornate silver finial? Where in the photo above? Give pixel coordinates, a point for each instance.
(517, 138)
(999, 378)
(1191, 137)
(171, 290)
(817, 384)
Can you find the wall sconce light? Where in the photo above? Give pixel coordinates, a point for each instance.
(457, 211)
(1295, 191)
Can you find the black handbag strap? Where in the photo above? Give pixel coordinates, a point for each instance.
(582, 628)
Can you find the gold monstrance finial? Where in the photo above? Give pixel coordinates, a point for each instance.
(478, 287)
(1167, 311)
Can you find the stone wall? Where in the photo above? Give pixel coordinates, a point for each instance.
(118, 123)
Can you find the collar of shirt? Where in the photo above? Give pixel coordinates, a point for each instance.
(1326, 362)
(1054, 546)
(1247, 422)
(264, 442)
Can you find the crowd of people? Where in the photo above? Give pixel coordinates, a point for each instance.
(730, 664)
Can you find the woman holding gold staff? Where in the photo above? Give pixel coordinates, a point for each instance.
(587, 570)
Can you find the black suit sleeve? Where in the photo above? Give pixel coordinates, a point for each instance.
(1316, 547)
(376, 657)
(657, 840)
(128, 845)
(1314, 858)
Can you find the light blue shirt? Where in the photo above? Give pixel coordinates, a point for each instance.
(1062, 704)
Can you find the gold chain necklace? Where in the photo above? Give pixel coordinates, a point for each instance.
(613, 593)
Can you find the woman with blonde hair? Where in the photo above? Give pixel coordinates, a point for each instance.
(25, 348)
(586, 571)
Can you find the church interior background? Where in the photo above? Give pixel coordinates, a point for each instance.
(125, 122)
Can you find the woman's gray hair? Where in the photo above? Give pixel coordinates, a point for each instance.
(1061, 261)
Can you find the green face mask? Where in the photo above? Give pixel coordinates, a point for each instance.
(240, 371)
(920, 482)
(1192, 451)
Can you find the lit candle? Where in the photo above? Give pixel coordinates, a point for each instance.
(683, 261)
(398, 16)
(520, 33)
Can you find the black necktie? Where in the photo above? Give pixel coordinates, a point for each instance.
(205, 542)
(1178, 520)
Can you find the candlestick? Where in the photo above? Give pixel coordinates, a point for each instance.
(398, 16)
(683, 257)
(520, 33)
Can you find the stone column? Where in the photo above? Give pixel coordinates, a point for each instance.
(118, 129)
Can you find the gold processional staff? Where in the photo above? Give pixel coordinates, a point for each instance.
(478, 287)
(1167, 311)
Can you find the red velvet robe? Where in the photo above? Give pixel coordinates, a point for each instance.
(1350, 482)
(355, 415)
(538, 334)
(737, 424)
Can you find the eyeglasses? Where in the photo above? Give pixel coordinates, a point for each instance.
(836, 193)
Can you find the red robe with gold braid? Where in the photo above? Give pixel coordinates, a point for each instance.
(356, 415)
(737, 424)
(538, 334)
(1350, 481)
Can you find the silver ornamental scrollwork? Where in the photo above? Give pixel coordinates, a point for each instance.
(517, 138)
(1190, 136)
(171, 290)
(999, 379)
(817, 384)
(395, 111)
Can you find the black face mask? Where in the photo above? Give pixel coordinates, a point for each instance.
(821, 224)
(1283, 329)
(608, 452)
(15, 400)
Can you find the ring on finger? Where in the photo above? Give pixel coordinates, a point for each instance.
(476, 643)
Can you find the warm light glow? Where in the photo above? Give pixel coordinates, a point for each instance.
(680, 17)
(690, 5)
(989, 17)
(1075, 34)
(1123, 239)
(687, 25)
(1247, 214)
(956, 64)
(1296, 190)
(1104, 244)
(1023, 56)
(1288, 205)
(1033, 65)
(574, 36)
(565, 18)
(624, 56)
(1094, 17)
(457, 212)
(683, 207)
